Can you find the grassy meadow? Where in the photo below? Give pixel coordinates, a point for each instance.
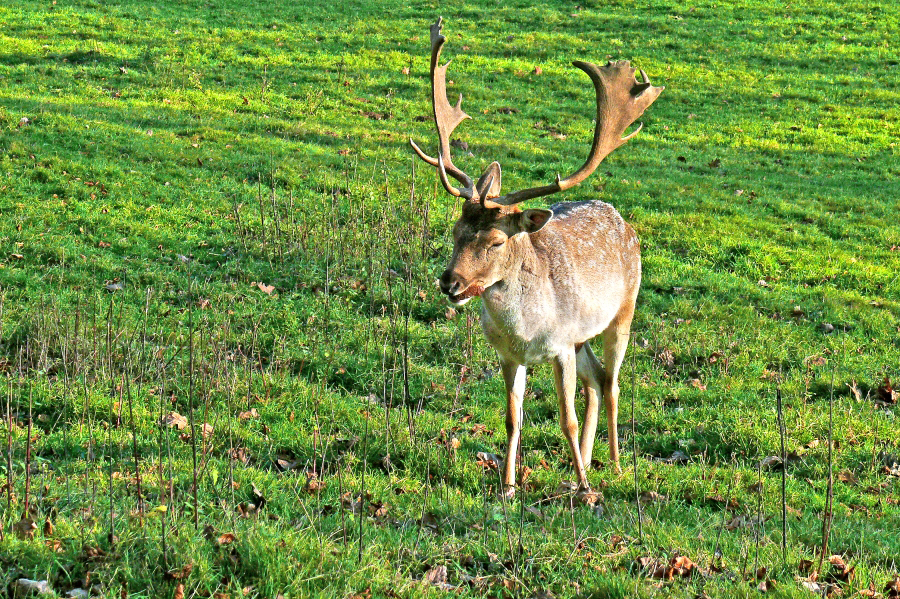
(227, 370)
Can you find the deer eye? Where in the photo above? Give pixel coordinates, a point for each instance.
(498, 243)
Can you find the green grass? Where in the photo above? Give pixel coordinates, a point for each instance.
(181, 154)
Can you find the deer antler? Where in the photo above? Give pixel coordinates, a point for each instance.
(620, 101)
(446, 117)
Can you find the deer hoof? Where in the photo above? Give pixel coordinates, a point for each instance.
(509, 492)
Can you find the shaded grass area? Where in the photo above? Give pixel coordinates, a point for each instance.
(211, 209)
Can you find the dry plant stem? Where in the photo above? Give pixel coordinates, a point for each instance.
(634, 448)
(163, 500)
(828, 516)
(758, 529)
(505, 514)
(781, 433)
(425, 496)
(262, 210)
(718, 550)
(134, 450)
(112, 512)
(9, 451)
(340, 472)
(522, 499)
(191, 408)
(28, 454)
(362, 498)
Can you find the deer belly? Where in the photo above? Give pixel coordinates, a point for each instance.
(541, 340)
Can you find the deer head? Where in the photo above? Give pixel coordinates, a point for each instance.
(489, 221)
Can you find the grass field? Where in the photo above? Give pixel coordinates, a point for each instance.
(227, 370)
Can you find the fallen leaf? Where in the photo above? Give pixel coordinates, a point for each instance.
(40, 587)
(651, 496)
(886, 392)
(488, 461)
(846, 476)
(437, 577)
(813, 586)
(174, 420)
(695, 383)
(891, 464)
(225, 538)
(840, 571)
(772, 462)
(179, 591)
(677, 457)
(180, 573)
(25, 528)
(378, 509)
(868, 591)
(588, 497)
(666, 357)
(251, 413)
(313, 484)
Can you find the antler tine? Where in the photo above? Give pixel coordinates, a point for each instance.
(442, 173)
(621, 100)
(446, 119)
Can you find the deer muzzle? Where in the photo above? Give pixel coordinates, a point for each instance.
(456, 290)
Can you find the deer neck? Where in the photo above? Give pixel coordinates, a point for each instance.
(524, 274)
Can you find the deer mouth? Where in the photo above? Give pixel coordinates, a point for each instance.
(471, 291)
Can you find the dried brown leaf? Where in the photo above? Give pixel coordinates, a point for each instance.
(251, 413)
(180, 573)
(174, 420)
(846, 476)
(25, 528)
(651, 496)
(488, 461)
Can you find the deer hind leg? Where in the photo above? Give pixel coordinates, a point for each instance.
(514, 376)
(565, 376)
(615, 343)
(592, 377)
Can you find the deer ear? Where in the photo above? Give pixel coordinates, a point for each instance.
(533, 220)
(488, 185)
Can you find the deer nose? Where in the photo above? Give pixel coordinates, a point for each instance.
(449, 284)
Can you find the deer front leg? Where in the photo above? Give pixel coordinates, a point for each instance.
(564, 371)
(514, 377)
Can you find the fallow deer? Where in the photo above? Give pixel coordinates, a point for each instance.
(549, 280)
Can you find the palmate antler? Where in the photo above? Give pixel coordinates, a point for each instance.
(620, 101)
(447, 118)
